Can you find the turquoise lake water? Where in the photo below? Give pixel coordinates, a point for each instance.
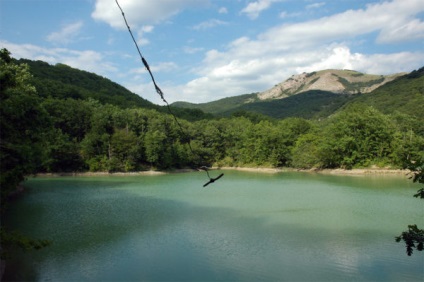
(288, 226)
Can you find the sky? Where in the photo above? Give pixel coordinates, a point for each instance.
(204, 50)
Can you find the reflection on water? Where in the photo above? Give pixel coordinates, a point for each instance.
(248, 226)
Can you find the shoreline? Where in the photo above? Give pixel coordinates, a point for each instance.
(337, 171)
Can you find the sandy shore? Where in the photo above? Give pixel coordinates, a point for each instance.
(361, 171)
(99, 173)
(339, 171)
(257, 169)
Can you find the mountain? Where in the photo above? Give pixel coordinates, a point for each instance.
(335, 81)
(308, 95)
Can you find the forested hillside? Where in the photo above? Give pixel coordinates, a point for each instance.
(62, 82)
(405, 95)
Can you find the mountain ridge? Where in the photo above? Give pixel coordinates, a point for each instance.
(298, 96)
(334, 87)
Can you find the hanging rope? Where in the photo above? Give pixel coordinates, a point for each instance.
(160, 93)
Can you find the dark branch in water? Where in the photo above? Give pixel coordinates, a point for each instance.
(211, 180)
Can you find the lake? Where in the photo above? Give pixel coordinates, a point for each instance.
(288, 226)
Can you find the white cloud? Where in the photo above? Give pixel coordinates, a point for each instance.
(340, 57)
(67, 34)
(209, 24)
(315, 5)
(223, 10)
(192, 50)
(406, 31)
(85, 60)
(142, 40)
(147, 28)
(383, 18)
(284, 15)
(140, 11)
(253, 9)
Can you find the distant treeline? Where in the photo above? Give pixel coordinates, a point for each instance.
(86, 135)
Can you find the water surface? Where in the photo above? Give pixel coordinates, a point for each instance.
(244, 227)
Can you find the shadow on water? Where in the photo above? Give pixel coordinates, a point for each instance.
(137, 229)
(78, 222)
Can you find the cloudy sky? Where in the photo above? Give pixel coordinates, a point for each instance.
(204, 50)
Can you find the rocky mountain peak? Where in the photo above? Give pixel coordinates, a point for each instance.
(336, 81)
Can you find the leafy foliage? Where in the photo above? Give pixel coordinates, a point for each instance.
(25, 127)
(413, 238)
(356, 136)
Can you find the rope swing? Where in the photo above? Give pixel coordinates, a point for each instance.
(160, 93)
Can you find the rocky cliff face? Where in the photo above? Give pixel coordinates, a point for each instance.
(336, 81)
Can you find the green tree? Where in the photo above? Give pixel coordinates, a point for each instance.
(124, 150)
(414, 236)
(305, 153)
(291, 129)
(24, 125)
(63, 154)
(156, 148)
(96, 145)
(234, 139)
(357, 136)
(208, 141)
(408, 144)
(71, 121)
